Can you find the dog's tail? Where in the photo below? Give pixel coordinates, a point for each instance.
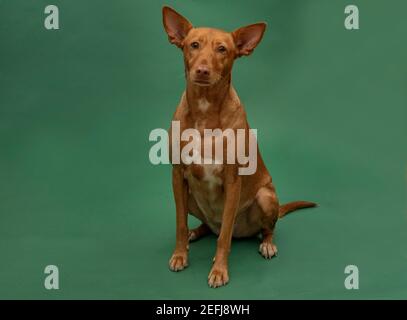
(292, 206)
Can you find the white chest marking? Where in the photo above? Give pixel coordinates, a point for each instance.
(210, 176)
(203, 105)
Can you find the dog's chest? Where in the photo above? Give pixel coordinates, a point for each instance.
(206, 186)
(205, 181)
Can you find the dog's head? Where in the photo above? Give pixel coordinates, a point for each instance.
(209, 53)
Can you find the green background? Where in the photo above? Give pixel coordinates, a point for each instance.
(77, 189)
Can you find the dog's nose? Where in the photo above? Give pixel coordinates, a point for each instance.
(202, 70)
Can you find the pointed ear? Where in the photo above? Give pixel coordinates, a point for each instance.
(176, 26)
(247, 38)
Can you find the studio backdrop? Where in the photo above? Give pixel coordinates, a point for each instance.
(84, 83)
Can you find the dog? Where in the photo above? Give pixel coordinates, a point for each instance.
(228, 204)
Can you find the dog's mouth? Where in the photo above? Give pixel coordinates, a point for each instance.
(202, 82)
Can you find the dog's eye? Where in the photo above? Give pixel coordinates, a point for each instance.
(195, 45)
(221, 49)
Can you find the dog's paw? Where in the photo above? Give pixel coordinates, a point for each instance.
(268, 250)
(218, 277)
(178, 261)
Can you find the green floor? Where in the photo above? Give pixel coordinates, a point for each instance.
(77, 189)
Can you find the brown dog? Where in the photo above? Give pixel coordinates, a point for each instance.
(227, 204)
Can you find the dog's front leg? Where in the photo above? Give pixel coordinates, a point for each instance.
(179, 259)
(219, 274)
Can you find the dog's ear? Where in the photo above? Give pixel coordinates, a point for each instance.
(247, 38)
(176, 26)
